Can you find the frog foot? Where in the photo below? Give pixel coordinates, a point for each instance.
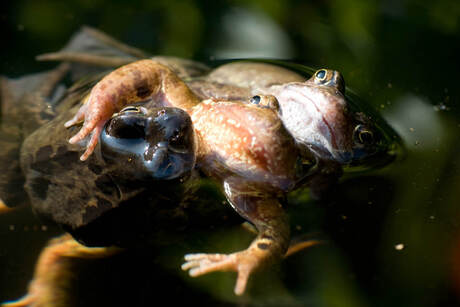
(244, 263)
(94, 114)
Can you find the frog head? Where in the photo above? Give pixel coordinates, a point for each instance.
(333, 126)
(150, 142)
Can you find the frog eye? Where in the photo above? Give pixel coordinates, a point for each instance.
(130, 109)
(321, 74)
(363, 136)
(255, 99)
(134, 109)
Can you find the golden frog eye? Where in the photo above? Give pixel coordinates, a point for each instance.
(363, 136)
(321, 74)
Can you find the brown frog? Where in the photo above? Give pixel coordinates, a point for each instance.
(109, 200)
(258, 154)
(244, 147)
(249, 136)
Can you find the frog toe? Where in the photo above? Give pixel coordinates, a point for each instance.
(240, 262)
(78, 118)
(92, 142)
(200, 264)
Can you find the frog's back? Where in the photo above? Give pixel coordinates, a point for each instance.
(246, 140)
(238, 80)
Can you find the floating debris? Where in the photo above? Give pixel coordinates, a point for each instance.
(441, 107)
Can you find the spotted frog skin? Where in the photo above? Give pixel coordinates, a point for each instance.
(258, 130)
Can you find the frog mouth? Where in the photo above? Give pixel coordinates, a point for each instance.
(162, 163)
(140, 157)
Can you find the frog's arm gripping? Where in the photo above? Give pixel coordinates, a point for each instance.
(266, 213)
(132, 83)
(53, 271)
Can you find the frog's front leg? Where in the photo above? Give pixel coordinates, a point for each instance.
(264, 211)
(132, 83)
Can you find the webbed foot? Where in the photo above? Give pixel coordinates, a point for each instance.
(244, 263)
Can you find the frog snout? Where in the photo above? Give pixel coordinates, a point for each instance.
(157, 162)
(157, 145)
(163, 163)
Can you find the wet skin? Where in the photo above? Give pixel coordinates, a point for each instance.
(304, 131)
(75, 194)
(258, 152)
(102, 202)
(315, 110)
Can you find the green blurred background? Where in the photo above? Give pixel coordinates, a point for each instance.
(394, 233)
(412, 43)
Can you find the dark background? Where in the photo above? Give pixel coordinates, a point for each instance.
(394, 233)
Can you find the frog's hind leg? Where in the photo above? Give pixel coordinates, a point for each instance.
(53, 272)
(95, 48)
(297, 244)
(85, 58)
(265, 212)
(110, 41)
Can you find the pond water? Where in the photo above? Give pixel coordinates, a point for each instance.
(391, 236)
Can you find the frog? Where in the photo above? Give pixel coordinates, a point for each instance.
(243, 149)
(310, 155)
(109, 201)
(342, 132)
